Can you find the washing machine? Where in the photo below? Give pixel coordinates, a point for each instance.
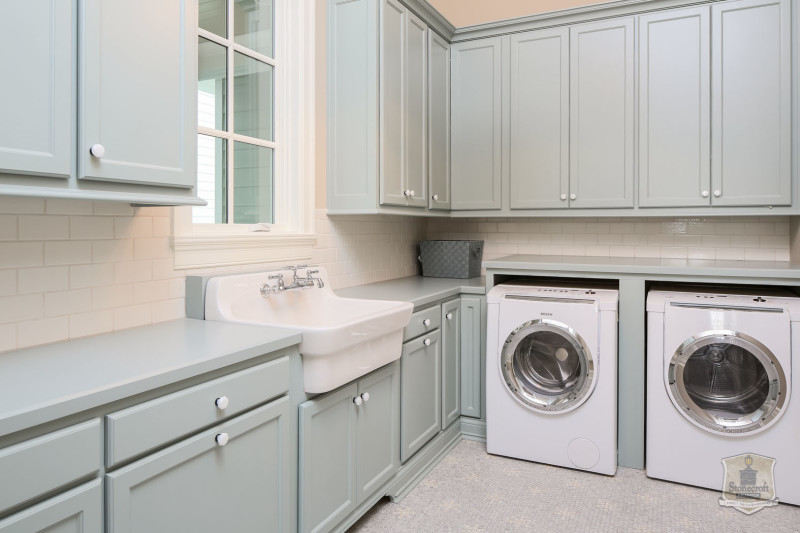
(719, 384)
(551, 375)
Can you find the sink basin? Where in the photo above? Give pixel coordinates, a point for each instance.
(343, 338)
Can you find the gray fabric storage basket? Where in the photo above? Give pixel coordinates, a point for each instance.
(451, 259)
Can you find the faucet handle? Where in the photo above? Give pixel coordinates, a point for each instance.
(275, 276)
(309, 273)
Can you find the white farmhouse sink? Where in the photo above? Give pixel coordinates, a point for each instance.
(343, 338)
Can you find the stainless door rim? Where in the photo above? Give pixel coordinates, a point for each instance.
(557, 403)
(760, 419)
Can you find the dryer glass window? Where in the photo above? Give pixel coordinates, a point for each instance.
(547, 366)
(727, 382)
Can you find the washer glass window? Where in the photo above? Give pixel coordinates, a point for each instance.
(727, 382)
(547, 366)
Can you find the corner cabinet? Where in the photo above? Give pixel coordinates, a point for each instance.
(349, 442)
(131, 100)
(476, 120)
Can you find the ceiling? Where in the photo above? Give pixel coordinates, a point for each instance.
(470, 12)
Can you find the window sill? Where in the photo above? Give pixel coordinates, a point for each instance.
(221, 250)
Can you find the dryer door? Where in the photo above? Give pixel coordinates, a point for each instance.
(727, 382)
(547, 366)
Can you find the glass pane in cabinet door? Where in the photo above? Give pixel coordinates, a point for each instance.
(212, 180)
(212, 16)
(211, 85)
(252, 184)
(253, 97)
(253, 23)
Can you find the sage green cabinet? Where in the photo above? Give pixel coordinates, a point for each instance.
(601, 114)
(438, 122)
(37, 97)
(674, 108)
(349, 442)
(539, 120)
(451, 362)
(108, 102)
(476, 124)
(473, 327)
(232, 477)
(751, 110)
(79, 510)
(420, 393)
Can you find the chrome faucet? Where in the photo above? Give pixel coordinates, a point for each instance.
(297, 281)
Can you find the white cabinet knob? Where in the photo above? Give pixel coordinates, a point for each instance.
(717, 193)
(222, 439)
(222, 402)
(426, 342)
(406, 192)
(572, 196)
(411, 193)
(435, 197)
(365, 396)
(426, 322)
(449, 316)
(357, 400)
(704, 194)
(97, 150)
(563, 196)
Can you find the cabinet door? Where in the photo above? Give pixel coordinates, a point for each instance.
(476, 134)
(539, 142)
(416, 111)
(138, 91)
(420, 393)
(472, 350)
(393, 111)
(352, 152)
(438, 122)
(79, 510)
(601, 114)
(751, 103)
(327, 460)
(451, 361)
(378, 433)
(240, 486)
(674, 115)
(37, 96)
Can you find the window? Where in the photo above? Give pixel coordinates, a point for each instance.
(255, 139)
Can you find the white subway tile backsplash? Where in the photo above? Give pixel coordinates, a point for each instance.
(8, 337)
(21, 308)
(47, 279)
(58, 206)
(133, 271)
(43, 331)
(67, 302)
(152, 248)
(111, 296)
(135, 315)
(43, 228)
(168, 310)
(8, 227)
(92, 323)
(97, 275)
(19, 205)
(151, 291)
(21, 254)
(89, 227)
(8, 282)
(67, 253)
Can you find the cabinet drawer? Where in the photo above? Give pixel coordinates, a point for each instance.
(418, 325)
(138, 429)
(79, 510)
(43, 464)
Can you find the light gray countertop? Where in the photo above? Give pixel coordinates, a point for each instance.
(648, 266)
(416, 289)
(45, 383)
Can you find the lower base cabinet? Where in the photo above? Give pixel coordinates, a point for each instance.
(79, 510)
(421, 393)
(232, 477)
(349, 447)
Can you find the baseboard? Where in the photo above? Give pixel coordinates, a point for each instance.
(473, 429)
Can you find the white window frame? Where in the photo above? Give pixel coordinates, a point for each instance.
(292, 236)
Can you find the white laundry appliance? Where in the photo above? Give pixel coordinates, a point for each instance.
(719, 384)
(551, 375)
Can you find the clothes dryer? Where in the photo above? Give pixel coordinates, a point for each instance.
(719, 385)
(551, 375)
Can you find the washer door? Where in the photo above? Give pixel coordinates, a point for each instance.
(547, 366)
(727, 382)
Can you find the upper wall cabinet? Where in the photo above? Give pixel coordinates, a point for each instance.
(751, 118)
(37, 98)
(135, 65)
(137, 92)
(476, 127)
(380, 104)
(674, 113)
(539, 120)
(601, 114)
(438, 122)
